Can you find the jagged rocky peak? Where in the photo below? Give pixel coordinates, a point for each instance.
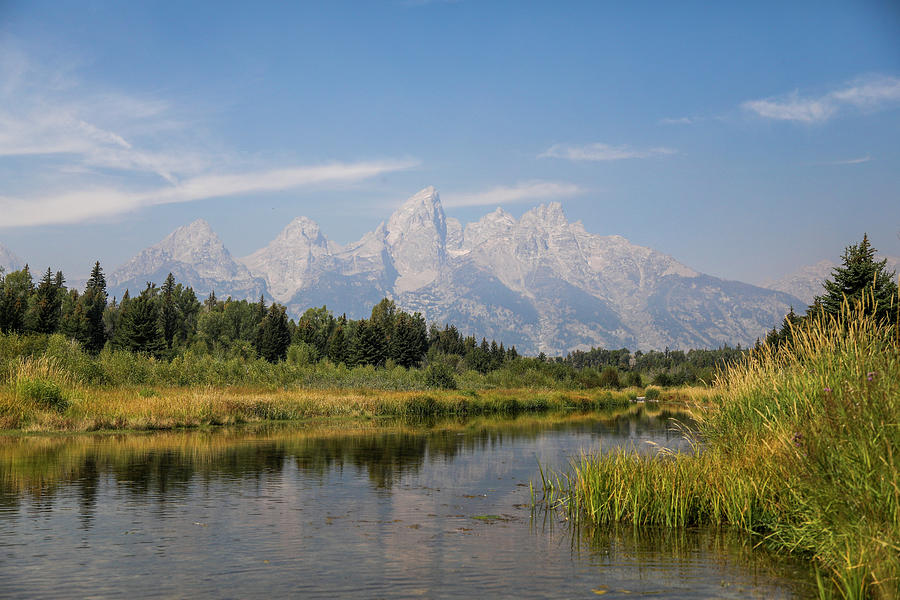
(492, 226)
(286, 263)
(423, 211)
(196, 245)
(545, 216)
(416, 237)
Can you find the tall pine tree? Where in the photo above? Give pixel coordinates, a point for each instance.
(47, 304)
(138, 328)
(274, 336)
(860, 276)
(94, 303)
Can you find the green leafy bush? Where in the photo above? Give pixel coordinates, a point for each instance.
(42, 392)
(440, 376)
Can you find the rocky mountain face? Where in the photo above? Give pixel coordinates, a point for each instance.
(9, 261)
(195, 255)
(806, 282)
(539, 282)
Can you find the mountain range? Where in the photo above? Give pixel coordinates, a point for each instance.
(539, 282)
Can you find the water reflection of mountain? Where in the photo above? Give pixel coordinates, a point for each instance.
(162, 466)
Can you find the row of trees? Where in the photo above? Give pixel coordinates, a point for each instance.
(163, 321)
(168, 320)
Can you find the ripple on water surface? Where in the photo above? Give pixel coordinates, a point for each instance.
(369, 510)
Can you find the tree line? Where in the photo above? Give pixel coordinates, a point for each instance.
(165, 321)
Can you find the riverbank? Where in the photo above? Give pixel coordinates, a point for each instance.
(801, 448)
(39, 402)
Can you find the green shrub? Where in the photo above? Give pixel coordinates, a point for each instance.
(652, 393)
(440, 376)
(609, 378)
(42, 392)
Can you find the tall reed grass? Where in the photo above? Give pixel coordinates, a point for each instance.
(801, 449)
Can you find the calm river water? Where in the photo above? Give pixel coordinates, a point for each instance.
(365, 510)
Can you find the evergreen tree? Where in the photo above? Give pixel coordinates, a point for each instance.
(369, 344)
(168, 313)
(337, 346)
(138, 328)
(188, 313)
(47, 305)
(73, 321)
(211, 303)
(409, 342)
(860, 275)
(274, 337)
(94, 301)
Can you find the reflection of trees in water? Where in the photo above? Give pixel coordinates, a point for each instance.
(162, 466)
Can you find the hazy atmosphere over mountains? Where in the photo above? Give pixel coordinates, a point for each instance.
(747, 140)
(539, 281)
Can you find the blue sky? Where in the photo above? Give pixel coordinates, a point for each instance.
(746, 140)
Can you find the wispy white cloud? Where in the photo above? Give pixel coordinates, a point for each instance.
(114, 153)
(526, 191)
(601, 152)
(103, 202)
(865, 93)
(851, 161)
(792, 108)
(870, 93)
(679, 120)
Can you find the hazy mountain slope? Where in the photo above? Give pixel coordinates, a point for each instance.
(292, 258)
(538, 282)
(9, 261)
(196, 257)
(806, 282)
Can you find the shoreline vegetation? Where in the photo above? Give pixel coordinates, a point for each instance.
(161, 408)
(798, 445)
(62, 388)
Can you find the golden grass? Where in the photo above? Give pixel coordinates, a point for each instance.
(136, 408)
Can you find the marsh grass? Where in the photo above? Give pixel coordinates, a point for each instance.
(799, 447)
(98, 408)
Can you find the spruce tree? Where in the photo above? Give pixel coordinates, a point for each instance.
(274, 335)
(337, 346)
(73, 322)
(369, 345)
(94, 302)
(47, 304)
(860, 276)
(138, 328)
(168, 313)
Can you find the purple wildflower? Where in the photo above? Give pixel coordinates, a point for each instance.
(870, 375)
(827, 390)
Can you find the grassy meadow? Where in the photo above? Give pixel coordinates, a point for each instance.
(63, 388)
(799, 445)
